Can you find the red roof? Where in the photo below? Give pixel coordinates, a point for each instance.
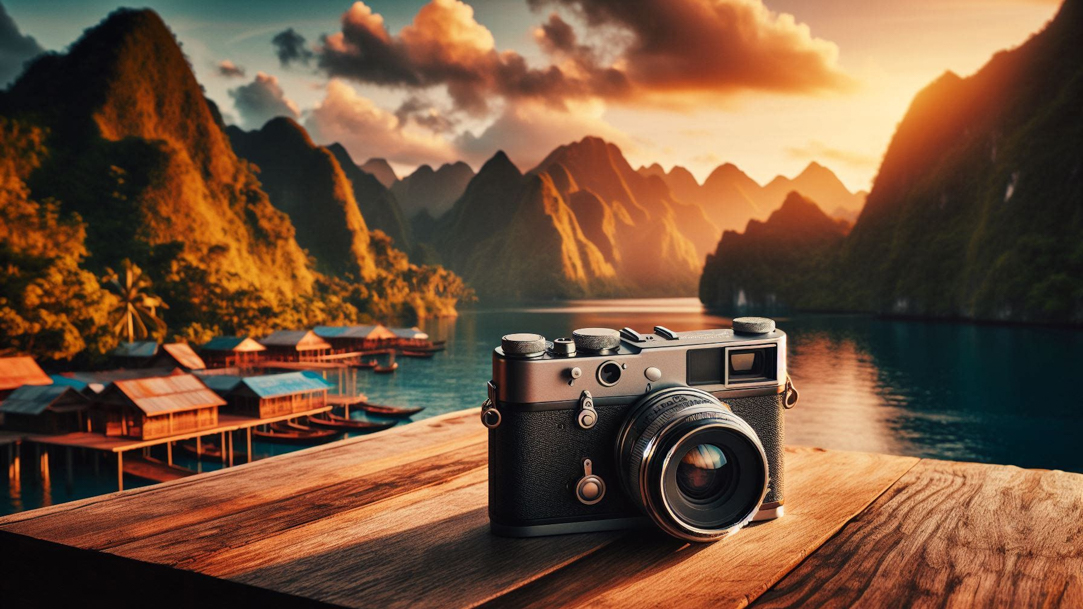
(18, 371)
(184, 355)
(164, 394)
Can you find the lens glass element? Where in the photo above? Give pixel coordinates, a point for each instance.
(703, 475)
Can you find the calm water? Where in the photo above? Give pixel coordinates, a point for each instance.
(952, 391)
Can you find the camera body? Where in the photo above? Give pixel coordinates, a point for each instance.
(610, 430)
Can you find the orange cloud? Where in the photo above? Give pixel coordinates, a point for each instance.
(663, 49)
(714, 46)
(367, 130)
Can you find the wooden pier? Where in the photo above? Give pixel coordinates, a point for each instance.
(399, 520)
(227, 424)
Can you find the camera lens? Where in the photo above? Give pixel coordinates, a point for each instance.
(609, 373)
(703, 475)
(698, 470)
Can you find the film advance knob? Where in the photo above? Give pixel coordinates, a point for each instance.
(523, 344)
(753, 325)
(596, 339)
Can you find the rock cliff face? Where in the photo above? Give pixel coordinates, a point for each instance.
(306, 182)
(378, 206)
(977, 210)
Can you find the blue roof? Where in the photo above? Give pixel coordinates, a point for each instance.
(222, 343)
(221, 383)
(137, 349)
(66, 381)
(34, 399)
(289, 383)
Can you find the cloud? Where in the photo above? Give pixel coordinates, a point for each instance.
(230, 70)
(713, 46)
(528, 131)
(261, 100)
(656, 51)
(425, 114)
(290, 47)
(369, 131)
(818, 151)
(445, 46)
(15, 48)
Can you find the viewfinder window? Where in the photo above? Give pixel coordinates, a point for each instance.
(752, 365)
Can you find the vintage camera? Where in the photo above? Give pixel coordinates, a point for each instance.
(608, 430)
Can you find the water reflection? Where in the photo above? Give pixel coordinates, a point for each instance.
(951, 391)
(945, 390)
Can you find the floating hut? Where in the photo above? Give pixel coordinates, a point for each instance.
(222, 384)
(45, 409)
(278, 394)
(356, 338)
(410, 337)
(156, 407)
(18, 371)
(148, 354)
(93, 383)
(295, 346)
(135, 354)
(230, 351)
(179, 355)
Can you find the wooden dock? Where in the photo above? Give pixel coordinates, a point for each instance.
(399, 520)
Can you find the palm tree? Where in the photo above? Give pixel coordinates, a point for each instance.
(138, 307)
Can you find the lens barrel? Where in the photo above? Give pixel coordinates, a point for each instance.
(698, 470)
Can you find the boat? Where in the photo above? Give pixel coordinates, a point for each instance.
(388, 369)
(417, 353)
(334, 421)
(286, 433)
(389, 411)
(210, 451)
(369, 364)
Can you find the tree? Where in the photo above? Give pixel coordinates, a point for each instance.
(137, 308)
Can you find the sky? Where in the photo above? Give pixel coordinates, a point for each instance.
(766, 85)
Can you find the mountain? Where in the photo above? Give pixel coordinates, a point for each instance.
(581, 223)
(662, 241)
(432, 191)
(977, 209)
(112, 158)
(382, 170)
(819, 184)
(306, 182)
(513, 237)
(378, 206)
(730, 198)
(774, 261)
(134, 149)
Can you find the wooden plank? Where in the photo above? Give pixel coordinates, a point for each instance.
(106, 520)
(953, 534)
(825, 489)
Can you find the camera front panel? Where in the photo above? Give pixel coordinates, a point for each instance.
(536, 460)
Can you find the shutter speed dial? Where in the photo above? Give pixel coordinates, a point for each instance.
(596, 339)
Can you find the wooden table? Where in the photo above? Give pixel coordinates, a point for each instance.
(398, 519)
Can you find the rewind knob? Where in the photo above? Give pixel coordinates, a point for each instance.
(596, 339)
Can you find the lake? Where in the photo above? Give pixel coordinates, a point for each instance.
(928, 389)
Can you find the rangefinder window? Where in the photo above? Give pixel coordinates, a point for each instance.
(705, 366)
(752, 365)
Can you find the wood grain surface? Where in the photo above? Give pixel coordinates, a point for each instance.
(399, 519)
(953, 534)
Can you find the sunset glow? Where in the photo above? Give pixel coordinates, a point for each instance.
(768, 86)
